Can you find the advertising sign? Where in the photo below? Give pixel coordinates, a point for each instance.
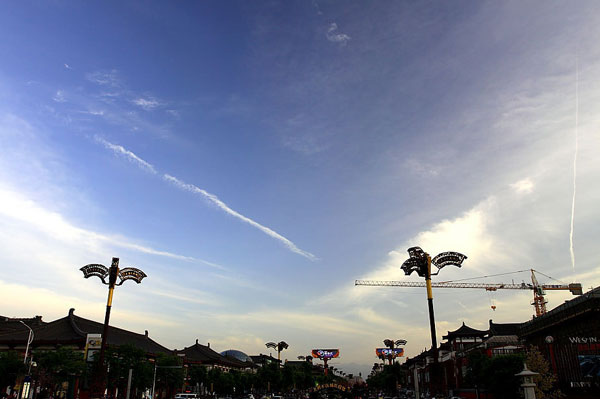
(92, 346)
(389, 353)
(325, 353)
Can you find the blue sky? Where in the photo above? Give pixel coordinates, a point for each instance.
(255, 158)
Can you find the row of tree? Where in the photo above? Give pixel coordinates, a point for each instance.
(53, 368)
(492, 374)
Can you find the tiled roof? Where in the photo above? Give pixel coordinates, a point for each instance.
(9, 325)
(590, 301)
(261, 359)
(72, 330)
(205, 355)
(504, 328)
(465, 331)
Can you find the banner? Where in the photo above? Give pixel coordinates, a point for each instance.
(325, 353)
(389, 353)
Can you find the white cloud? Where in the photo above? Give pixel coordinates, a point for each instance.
(67, 66)
(421, 168)
(524, 186)
(220, 204)
(120, 150)
(147, 104)
(332, 36)
(211, 197)
(104, 78)
(17, 207)
(59, 97)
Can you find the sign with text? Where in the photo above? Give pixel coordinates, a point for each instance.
(93, 342)
(389, 353)
(325, 353)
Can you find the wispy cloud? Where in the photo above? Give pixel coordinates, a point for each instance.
(104, 78)
(59, 97)
(120, 150)
(335, 37)
(67, 66)
(147, 104)
(524, 186)
(220, 204)
(15, 206)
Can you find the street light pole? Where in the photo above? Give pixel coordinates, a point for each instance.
(430, 307)
(421, 262)
(101, 271)
(281, 345)
(29, 341)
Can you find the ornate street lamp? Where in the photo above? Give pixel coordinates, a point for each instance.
(102, 272)
(392, 350)
(279, 346)
(421, 262)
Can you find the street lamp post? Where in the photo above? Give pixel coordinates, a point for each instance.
(154, 378)
(421, 262)
(281, 345)
(391, 344)
(102, 272)
(29, 341)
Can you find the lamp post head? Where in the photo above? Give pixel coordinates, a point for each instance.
(419, 260)
(102, 272)
(448, 259)
(416, 263)
(282, 345)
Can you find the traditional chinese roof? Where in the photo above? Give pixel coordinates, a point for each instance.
(8, 325)
(583, 304)
(72, 330)
(503, 328)
(465, 331)
(264, 359)
(203, 354)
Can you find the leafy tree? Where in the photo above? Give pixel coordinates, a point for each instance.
(123, 358)
(11, 366)
(387, 379)
(61, 364)
(169, 373)
(197, 375)
(497, 374)
(545, 388)
(500, 376)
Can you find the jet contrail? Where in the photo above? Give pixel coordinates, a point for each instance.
(120, 150)
(126, 153)
(575, 162)
(223, 206)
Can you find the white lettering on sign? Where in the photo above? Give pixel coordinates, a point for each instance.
(583, 340)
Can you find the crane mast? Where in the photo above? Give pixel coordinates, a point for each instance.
(539, 290)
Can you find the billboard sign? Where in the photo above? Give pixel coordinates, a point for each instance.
(93, 342)
(389, 353)
(325, 353)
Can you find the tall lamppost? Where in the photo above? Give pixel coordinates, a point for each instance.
(101, 271)
(391, 344)
(281, 345)
(421, 262)
(29, 341)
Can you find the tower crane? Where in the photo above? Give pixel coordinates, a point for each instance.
(539, 290)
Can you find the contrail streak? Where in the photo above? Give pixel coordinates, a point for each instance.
(223, 206)
(575, 162)
(120, 150)
(126, 153)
